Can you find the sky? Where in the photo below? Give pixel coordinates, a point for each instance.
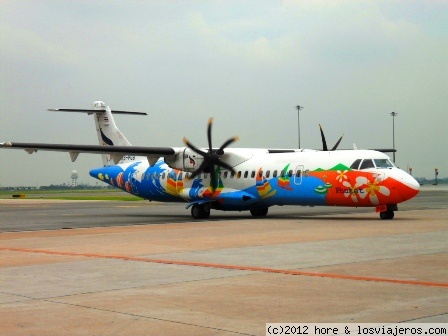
(245, 63)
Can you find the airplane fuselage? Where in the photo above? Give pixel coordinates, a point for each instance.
(264, 179)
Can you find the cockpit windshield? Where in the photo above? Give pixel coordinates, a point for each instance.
(366, 163)
(383, 163)
(372, 163)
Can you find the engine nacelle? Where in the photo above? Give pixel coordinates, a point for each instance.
(187, 160)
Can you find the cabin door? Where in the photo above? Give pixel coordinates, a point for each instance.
(298, 172)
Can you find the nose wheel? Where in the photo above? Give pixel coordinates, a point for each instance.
(387, 211)
(389, 214)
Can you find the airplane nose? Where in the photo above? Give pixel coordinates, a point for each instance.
(412, 186)
(404, 186)
(412, 182)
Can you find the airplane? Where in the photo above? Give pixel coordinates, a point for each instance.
(239, 179)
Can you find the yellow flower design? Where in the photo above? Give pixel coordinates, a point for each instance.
(341, 175)
(372, 189)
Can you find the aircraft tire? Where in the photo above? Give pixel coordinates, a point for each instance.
(389, 214)
(259, 212)
(200, 211)
(196, 211)
(205, 211)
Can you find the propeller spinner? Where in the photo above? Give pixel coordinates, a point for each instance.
(211, 158)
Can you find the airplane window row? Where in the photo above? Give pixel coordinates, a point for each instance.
(227, 174)
(371, 163)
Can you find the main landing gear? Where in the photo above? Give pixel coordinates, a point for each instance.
(200, 211)
(387, 211)
(259, 212)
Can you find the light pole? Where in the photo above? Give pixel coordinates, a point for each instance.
(298, 119)
(393, 114)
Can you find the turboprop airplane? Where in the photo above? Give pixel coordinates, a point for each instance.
(240, 179)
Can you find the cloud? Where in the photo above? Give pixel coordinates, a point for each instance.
(349, 63)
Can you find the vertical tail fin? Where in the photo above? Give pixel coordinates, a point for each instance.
(107, 131)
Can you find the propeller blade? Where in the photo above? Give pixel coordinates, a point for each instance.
(209, 134)
(324, 142)
(225, 144)
(194, 148)
(227, 166)
(198, 171)
(337, 143)
(213, 179)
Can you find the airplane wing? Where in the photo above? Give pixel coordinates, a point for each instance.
(385, 150)
(117, 152)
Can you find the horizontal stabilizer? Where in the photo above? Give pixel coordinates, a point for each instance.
(385, 150)
(97, 111)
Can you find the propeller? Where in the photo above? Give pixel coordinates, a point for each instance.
(324, 142)
(211, 158)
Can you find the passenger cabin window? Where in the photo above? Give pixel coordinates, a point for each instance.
(252, 174)
(274, 174)
(245, 174)
(355, 164)
(367, 163)
(268, 172)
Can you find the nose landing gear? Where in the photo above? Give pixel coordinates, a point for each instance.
(387, 211)
(387, 214)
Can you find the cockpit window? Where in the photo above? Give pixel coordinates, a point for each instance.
(383, 163)
(367, 163)
(355, 164)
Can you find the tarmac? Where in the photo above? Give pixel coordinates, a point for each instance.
(113, 268)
